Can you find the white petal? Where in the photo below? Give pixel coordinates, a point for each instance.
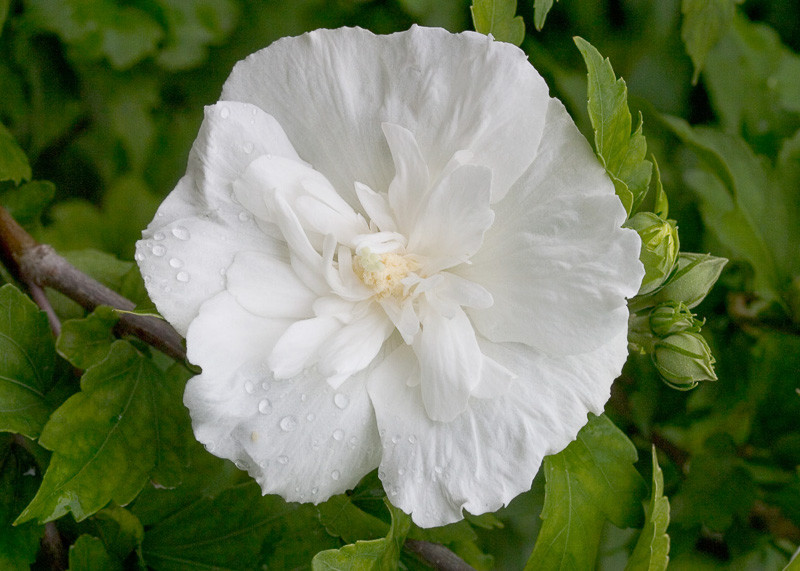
(556, 262)
(453, 218)
(269, 287)
(376, 208)
(300, 345)
(491, 452)
(411, 181)
(451, 91)
(187, 248)
(450, 364)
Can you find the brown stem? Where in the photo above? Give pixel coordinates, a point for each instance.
(437, 555)
(38, 265)
(53, 546)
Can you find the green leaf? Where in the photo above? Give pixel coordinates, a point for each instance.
(13, 161)
(622, 153)
(111, 437)
(496, 17)
(661, 204)
(27, 359)
(704, 23)
(84, 342)
(18, 480)
(342, 518)
(4, 4)
(89, 554)
(27, 202)
(120, 530)
(652, 548)
(591, 480)
(378, 554)
(540, 10)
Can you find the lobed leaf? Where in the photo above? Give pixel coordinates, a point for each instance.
(89, 554)
(591, 480)
(18, 480)
(652, 548)
(27, 360)
(621, 153)
(496, 17)
(111, 437)
(84, 342)
(704, 23)
(342, 518)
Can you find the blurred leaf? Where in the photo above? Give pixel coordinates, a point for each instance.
(661, 203)
(622, 153)
(108, 438)
(20, 544)
(27, 356)
(739, 202)
(27, 202)
(540, 10)
(130, 108)
(120, 530)
(591, 480)
(378, 554)
(652, 548)
(497, 17)
(84, 342)
(704, 23)
(192, 26)
(4, 4)
(89, 554)
(100, 28)
(13, 161)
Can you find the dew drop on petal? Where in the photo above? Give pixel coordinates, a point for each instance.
(303, 397)
(340, 400)
(314, 491)
(338, 434)
(437, 469)
(315, 444)
(412, 439)
(224, 112)
(353, 441)
(288, 423)
(159, 250)
(158, 236)
(182, 277)
(264, 406)
(335, 475)
(175, 262)
(401, 471)
(310, 417)
(283, 460)
(180, 233)
(244, 216)
(395, 439)
(138, 256)
(249, 388)
(247, 148)
(240, 465)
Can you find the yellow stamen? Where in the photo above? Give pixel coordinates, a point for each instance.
(383, 273)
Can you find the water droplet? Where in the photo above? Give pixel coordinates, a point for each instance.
(147, 279)
(288, 423)
(395, 439)
(247, 148)
(335, 475)
(401, 471)
(283, 460)
(167, 289)
(338, 434)
(222, 271)
(393, 491)
(210, 446)
(175, 262)
(265, 385)
(240, 465)
(303, 397)
(341, 400)
(244, 216)
(159, 250)
(138, 256)
(224, 112)
(412, 439)
(315, 444)
(182, 277)
(314, 491)
(249, 388)
(180, 233)
(158, 236)
(437, 469)
(353, 441)
(310, 417)
(264, 406)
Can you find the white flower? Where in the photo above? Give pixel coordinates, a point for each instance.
(395, 252)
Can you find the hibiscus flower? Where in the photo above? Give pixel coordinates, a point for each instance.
(393, 252)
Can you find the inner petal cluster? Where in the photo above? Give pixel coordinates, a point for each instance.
(384, 273)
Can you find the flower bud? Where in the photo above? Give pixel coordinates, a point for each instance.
(684, 359)
(673, 317)
(660, 246)
(693, 278)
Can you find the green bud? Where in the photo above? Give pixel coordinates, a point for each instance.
(660, 246)
(673, 317)
(684, 359)
(693, 278)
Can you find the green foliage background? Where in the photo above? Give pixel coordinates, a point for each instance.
(105, 97)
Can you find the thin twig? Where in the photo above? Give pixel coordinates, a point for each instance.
(437, 555)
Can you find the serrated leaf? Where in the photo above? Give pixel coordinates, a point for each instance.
(621, 152)
(591, 480)
(343, 519)
(18, 480)
(704, 23)
(120, 530)
(652, 548)
(89, 554)
(84, 342)
(13, 161)
(540, 10)
(108, 439)
(27, 356)
(497, 17)
(377, 555)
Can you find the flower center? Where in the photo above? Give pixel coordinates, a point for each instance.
(383, 273)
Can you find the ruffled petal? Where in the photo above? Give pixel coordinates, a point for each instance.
(332, 89)
(299, 438)
(435, 470)
(559, 267)
(299, 347)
